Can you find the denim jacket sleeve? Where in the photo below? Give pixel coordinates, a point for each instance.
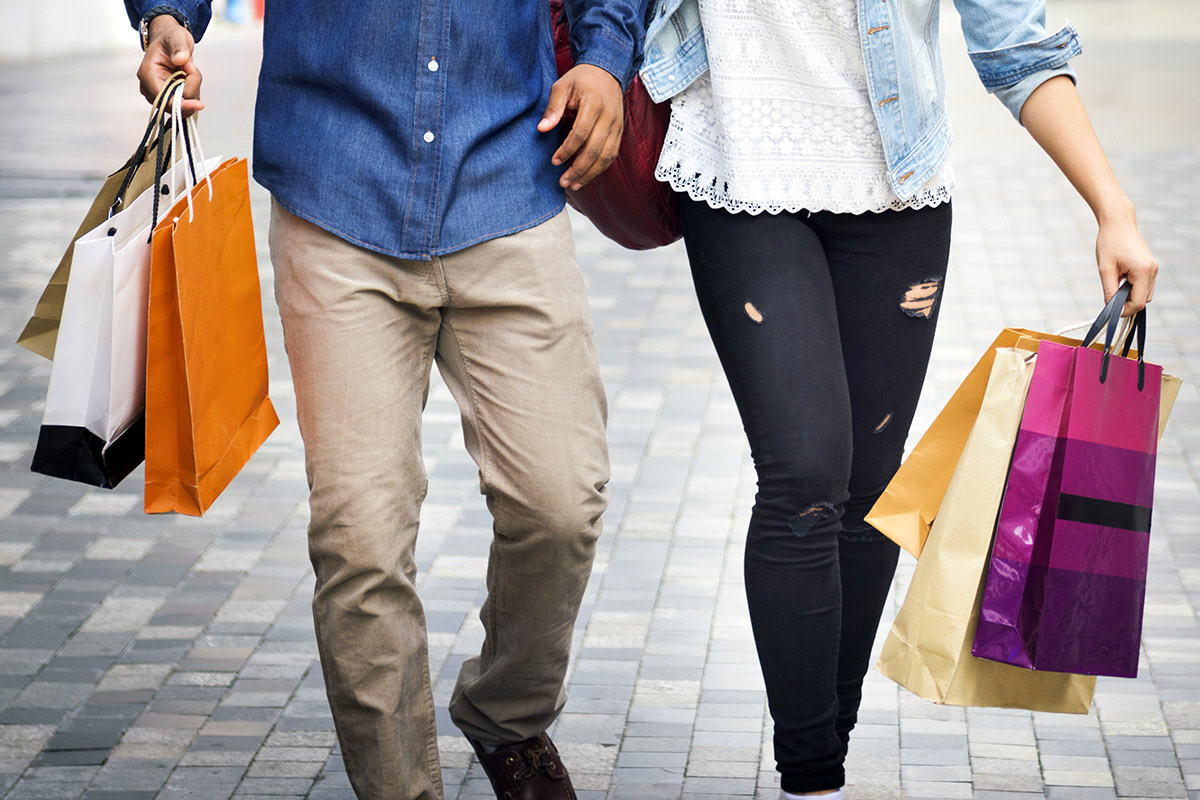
(608, 34)
(1011, 49)
(197, 12)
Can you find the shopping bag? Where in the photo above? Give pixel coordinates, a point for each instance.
(1067, 575)
(93, 428)
(40, 333)
(207, 409)
(906, 509)
(928, 649)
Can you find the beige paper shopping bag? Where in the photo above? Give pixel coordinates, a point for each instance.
(928, 650)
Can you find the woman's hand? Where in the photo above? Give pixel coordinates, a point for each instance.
(1122, 254)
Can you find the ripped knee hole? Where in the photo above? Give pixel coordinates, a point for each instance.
(921, 297)
(804, 521)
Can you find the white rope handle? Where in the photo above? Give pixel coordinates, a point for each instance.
(1078, 326)
(195, 135)
(179, 152)
(1122, 332)
(179, 145)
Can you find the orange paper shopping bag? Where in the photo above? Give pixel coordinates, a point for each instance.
(207, 409)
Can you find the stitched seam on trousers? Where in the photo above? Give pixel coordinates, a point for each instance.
(484, 451)
(432, 762)
(432, 757)
(473, 399)
(348, 755)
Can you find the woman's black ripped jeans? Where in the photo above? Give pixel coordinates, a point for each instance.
(823, 324)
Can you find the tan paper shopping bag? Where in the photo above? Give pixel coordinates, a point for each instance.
(135, 176)
(906, 509)
(928, 650)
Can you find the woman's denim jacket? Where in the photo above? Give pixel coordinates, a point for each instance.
(1007, 41)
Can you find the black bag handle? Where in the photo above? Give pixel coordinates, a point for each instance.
(1139, 328)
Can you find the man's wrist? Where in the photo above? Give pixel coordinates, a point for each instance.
(155, 15)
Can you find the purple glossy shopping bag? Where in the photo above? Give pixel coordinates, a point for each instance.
(1067, 574)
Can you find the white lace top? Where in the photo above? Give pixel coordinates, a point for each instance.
(782, 120)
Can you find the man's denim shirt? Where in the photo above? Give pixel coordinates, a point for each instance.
(1007, 41)
(410, 126)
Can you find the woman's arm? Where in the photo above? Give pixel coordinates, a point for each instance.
(1054, 115)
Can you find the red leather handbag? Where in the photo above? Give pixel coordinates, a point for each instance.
(625, 202)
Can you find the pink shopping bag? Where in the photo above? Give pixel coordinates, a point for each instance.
(1067, 574)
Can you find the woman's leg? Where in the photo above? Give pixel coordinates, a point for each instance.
(888, 271)
(765, 291)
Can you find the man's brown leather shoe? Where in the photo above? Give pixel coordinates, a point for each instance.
(528, 770)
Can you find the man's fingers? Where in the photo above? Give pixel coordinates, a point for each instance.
(606, 153)
(191, 85)
(170, 51)
(177, 44)
(559, 94)
(581, 132)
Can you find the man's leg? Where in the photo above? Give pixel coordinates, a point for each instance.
(516, 350)
(360, 330)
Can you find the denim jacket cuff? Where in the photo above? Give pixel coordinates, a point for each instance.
(1014, 96)
(196, 12)
(1002, 71)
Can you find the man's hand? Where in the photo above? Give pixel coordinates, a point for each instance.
(168, 51)
(595, 97)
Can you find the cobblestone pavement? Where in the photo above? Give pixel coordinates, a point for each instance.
(170, 657)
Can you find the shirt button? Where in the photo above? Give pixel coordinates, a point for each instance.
(433, 65)
(428, 136)
(670, 77)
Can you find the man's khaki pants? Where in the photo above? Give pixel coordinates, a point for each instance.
(508, 325)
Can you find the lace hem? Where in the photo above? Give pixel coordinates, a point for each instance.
(704, 188)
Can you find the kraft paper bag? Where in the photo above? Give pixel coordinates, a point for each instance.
(908, 506)
(928, 650)
(134, 178)
(207, 409)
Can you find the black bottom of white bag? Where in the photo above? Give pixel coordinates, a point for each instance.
(77, 454)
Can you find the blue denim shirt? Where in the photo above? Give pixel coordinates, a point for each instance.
(1007, 41)
(410, 126)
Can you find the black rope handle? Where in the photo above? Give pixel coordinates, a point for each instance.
(139, 155)
(187, 146)
(159, 170)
